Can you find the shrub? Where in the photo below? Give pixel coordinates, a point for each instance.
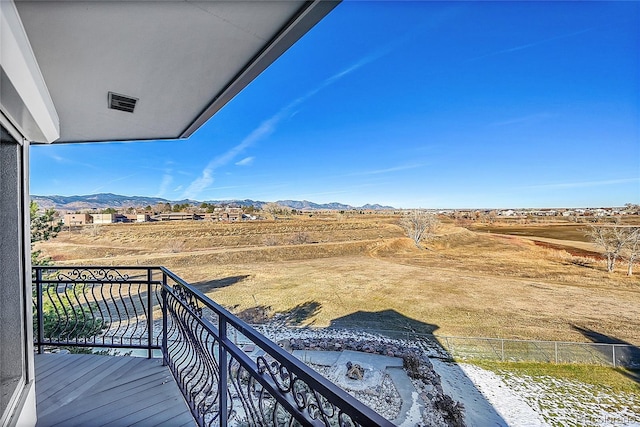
(300, 238)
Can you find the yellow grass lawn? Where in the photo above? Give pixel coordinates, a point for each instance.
(361, 271)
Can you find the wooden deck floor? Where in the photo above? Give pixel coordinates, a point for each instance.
(92, 390)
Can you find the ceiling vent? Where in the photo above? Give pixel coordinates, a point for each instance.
(122, 102)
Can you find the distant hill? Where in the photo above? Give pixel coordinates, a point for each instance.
(109, 200)
(305, 205)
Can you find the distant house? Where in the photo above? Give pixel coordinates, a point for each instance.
(235, 214)
(600, 212)
(77, 219)
(145, 217)
(223, 214)
(176, 216)
(104, 218)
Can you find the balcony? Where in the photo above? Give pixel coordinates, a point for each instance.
(193, 370)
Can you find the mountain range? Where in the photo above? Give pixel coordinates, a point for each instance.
(109, 200)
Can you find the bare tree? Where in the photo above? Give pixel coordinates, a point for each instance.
(420, 225)
(275, 209)
(632, 209)
(611, 239)
(492, 216)
(632, 251)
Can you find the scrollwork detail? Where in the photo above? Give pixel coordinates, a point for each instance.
(188, 298)
(92, 275)
(278, 373)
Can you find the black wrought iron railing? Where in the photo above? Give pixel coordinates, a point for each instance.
(97, 307)
(255, 383)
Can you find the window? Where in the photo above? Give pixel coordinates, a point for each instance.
(13, 355)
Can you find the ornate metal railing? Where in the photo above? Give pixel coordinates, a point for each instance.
(259, 384)
(102, 307)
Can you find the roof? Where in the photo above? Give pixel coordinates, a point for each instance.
(179, 61)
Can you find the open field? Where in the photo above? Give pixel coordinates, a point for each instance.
(568, 231)
(362, 271)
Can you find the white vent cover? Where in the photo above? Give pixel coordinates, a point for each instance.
(122, 102)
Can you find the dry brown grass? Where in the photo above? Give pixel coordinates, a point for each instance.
(363, 271)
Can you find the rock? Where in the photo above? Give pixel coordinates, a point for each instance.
(355, 371)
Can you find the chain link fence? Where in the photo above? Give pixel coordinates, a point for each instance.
(507, 350)
(498, 349)
(512, 350)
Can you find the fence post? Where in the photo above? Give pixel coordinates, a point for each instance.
(613, 349)
(40, 310)
(163, 292)
(502, 348)
(149, 316)
(222, 363)
(555, 344)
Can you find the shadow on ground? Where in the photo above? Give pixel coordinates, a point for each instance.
(455, 382)
(383, 321)
(295, 316)
(209, 285)
(626, 355)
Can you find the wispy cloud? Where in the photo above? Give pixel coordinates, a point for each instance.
(247, 161)
(167, 179)
(530, 45)
(583, 184)
(107, 183)
(267, 127)
(231, 187)
(531, 118)
(387, 170)
(64, 160)
(205, 179)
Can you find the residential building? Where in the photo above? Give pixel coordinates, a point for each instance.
(104, 218)
(77, 219)
(176, 216)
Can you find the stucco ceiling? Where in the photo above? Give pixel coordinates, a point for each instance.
(182, 60)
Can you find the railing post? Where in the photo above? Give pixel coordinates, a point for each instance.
(165, 351)
(149, 316)
(502, 348)
(613, 349)
(222, 363)
(556, 350)
(40, 317)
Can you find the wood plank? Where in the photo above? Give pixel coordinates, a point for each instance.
(106, 404)
(109, 409)
(93, 390)
(57, 362)
(113, 401)
(69, 371)
(182, 420)
(145, 416)
(63, 397)
(68, 367)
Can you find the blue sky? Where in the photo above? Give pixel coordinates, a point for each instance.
(409, 104)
